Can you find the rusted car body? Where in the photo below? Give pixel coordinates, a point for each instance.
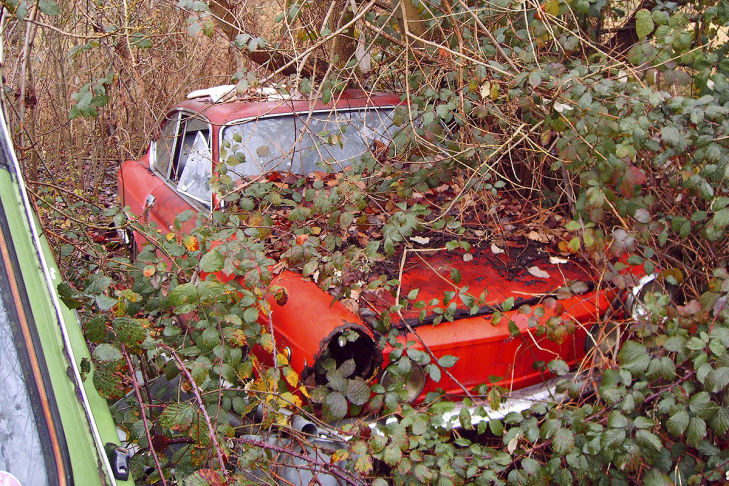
(484, 337)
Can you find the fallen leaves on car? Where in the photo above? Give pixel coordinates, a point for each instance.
(554, 260)
(346, 227)
(538, 272)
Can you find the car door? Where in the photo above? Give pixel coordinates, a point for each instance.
(182, 160)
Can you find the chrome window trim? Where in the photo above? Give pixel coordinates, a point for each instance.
(153, 162)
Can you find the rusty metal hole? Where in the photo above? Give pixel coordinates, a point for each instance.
(350, 344)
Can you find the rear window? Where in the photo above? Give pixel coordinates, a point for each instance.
(302, 143)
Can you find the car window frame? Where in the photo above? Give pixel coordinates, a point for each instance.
(239, 121)
(154, 147)
(181, 117)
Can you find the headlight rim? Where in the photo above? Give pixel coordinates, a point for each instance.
(416, 370)
(634, 306)
(605, 337)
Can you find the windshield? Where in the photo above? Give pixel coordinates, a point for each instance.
(303, 143)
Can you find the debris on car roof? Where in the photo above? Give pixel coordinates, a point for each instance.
(229, 92)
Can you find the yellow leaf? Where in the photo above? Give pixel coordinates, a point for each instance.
(290, 401)
(281, 419)
(267, 343)
(130, 295)
(191, 243)
(494, 91)
(281, 359)
(551, 7)
(340, 455)
(292, 377)
(170, 236)
(238, 337)
(304, 391)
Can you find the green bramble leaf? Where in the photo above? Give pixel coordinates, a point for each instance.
(211, 262)
(358, 392)
(719, 422)
(182, 294)
(648, 439)
(695, 431)
(95, 329)
(108, 382)
(337, 405)
(392, 455)
(670, 135)
(129, 331)
(563, 441)
(251, 314)
(662, 367)
(677, 423)
(49, 8)
(700, 404)
(447, 361)
(424, 474)
(107, 353)
(508, 304)
(634, 357)
(721, 218)
(643, 23)
(178, 416)
(717, 379)
(104, 302)
(558, 367)
(96, 284)
(656, 477)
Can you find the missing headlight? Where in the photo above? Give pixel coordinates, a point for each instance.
(346, 344)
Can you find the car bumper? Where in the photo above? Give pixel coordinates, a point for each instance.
(449, 414)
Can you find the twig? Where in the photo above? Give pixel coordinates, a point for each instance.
(333, 469)
(144, 415)
(490, 36)
(417, 336)
(201, 404)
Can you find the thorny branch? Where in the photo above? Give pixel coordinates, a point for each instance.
(133, 377)
(201, 404)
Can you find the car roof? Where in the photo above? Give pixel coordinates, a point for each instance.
(253, 106)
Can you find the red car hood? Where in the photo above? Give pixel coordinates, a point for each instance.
(525, 274)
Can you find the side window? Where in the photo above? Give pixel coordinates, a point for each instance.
(166, 145)
(193, 161)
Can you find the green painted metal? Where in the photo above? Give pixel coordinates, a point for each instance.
(86, 459)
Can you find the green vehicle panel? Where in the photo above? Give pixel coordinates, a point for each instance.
(54, 426)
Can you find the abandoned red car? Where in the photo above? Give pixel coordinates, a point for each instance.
(495, 339)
